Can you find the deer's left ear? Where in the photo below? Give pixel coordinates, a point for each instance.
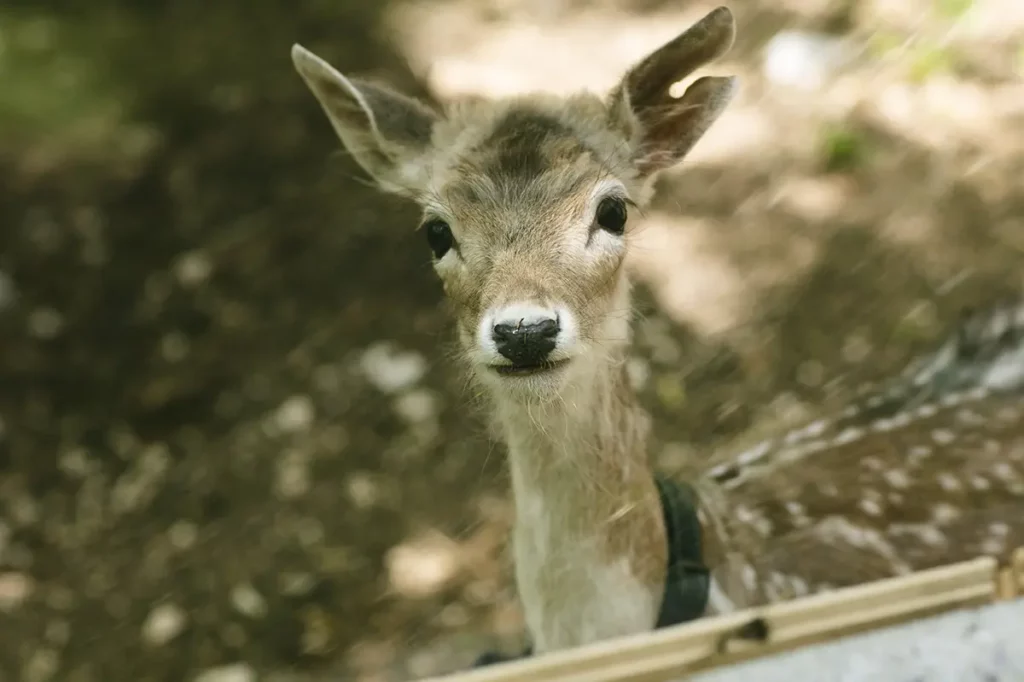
(664, 129)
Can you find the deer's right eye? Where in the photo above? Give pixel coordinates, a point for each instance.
(439, 237)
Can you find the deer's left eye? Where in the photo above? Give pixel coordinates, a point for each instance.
(611, 215)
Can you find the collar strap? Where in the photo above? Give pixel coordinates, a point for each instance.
(688, 582)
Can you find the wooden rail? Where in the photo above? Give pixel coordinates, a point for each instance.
(718, 641)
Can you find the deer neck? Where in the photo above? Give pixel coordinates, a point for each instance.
(589, 540)
(594, 429)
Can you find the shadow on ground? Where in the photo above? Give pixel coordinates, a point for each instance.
(229, 439)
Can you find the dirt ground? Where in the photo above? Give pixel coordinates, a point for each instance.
(234, 444)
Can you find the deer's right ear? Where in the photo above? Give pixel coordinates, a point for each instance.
(386, 132)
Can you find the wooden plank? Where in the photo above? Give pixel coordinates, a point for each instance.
(717, 641)
(1011, 577)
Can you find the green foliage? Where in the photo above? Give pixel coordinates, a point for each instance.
(930, 60)
(843, 149)
(953, 9)
(671, 391)
(920, 325)
(922, 54)
(48, 89)
(882, 43)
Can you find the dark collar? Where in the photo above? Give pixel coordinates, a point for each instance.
(687, 582)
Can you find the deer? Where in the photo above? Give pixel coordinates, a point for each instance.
(529, 208)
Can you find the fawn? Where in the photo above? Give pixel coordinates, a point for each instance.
(527, 207)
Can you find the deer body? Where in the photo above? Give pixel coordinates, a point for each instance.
(525, 211)
(925, 470)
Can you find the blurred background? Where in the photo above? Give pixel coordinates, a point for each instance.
(235, 444)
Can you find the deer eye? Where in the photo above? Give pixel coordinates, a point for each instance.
(611, 215)
(439, 237)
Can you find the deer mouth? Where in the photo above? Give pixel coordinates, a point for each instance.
(525, 370)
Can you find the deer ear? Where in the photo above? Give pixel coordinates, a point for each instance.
(663, 128)
(387, 133)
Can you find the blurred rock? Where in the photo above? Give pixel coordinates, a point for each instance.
(421, 567)
(15, 589)
(390, 369)
(363, 490)
(45, 323)
(803, 60)
(297, 584)
(182, 535)
(193, 268)
(164, 623)
(235, 672)
(42, 666)
(137, 487)
(295, 414)
(417, 406)
(293, 478)
(248, 601)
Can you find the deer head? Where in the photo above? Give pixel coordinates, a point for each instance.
(527, 201)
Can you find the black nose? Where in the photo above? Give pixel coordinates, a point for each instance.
(526, 344)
